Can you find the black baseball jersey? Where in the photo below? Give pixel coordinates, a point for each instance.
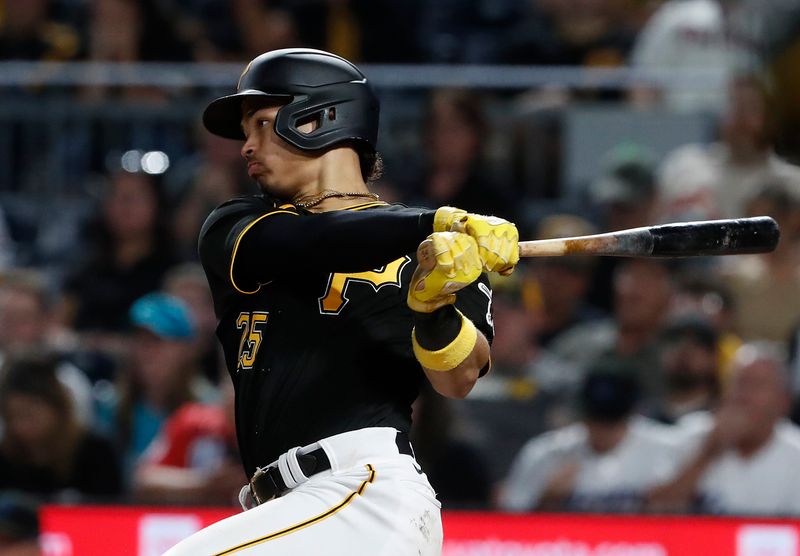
(313, 318)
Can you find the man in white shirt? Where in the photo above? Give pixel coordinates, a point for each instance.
(605, 463)
(685, 35)
(744, 459)
(716, 180)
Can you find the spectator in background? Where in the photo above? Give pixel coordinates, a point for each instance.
(19, 525)
(28, 33)
(743, 459)
(194, 459)
(529, 390)
(567, 33)
(701, 293)
(794, 372)
(263, 27)
(188, 283)
(359, 30)
(690, 364)
(686, 35)
(765, 286)
(698, 182)
(129, 251)
(625, 194)
(45, 450)
(148, 34)
(455, 32)
(626, 190)
(556, 287)
(203, 181)
(160, 376)
(7, 246)
(455, 465)
(642, 293)
(209, 27)
(27, 325)
(457, 171)
(605, 463)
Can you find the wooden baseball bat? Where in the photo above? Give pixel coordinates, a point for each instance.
(681, 239)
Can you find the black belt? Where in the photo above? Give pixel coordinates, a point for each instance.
(268, 483)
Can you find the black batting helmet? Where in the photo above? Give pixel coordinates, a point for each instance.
(316, 86)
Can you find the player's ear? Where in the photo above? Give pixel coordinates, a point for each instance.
(309, 124)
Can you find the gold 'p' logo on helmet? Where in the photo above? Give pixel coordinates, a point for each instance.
(239, 84)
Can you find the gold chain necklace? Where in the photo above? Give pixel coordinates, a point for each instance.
(328, 193)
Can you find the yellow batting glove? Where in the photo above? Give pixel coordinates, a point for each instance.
(448, 261)
(498, 239)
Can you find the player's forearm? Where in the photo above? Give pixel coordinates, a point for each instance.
(451, 351)
(458, 382)
(340, 241)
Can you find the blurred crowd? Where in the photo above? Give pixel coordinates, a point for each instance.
(618, 385)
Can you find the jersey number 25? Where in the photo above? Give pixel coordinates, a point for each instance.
(251, 325)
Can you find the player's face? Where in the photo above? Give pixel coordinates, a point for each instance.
(279, 168)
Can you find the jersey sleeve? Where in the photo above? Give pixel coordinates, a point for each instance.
(221, 230)
(249, 243)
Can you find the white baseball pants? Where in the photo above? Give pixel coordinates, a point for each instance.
(374, 501)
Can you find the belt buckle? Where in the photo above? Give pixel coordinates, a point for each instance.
(260, 471)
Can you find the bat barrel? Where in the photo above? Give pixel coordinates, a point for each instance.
(684, 239)
(715, 237)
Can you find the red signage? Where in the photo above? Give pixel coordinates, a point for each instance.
(95, 530)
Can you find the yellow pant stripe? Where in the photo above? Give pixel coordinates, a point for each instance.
(306, 523)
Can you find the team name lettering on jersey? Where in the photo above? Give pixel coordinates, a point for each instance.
(335, 297)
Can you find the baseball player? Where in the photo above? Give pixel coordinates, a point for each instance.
(329, 320)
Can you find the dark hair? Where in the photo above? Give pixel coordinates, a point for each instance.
(695, 328)
(467, 104)
(370, 160)
(761, 86)
(35, 375)
(610, 390)
(699, 283)
(371, 164)
(98, 232)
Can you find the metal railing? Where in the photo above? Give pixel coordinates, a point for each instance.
(224, 75)
(54, 138)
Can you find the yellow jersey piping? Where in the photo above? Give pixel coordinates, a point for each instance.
(236, 248)
(303, 524)
(367, 205)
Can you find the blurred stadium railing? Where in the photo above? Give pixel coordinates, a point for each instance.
(58, 133)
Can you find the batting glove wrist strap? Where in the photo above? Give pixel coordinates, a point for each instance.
(449, 219)
(437, 329)
(453, 354)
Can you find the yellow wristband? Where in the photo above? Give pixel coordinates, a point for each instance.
(453, 354)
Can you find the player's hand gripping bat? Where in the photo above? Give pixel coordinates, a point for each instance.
(682, 239)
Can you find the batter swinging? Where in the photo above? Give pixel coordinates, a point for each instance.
(328, 323)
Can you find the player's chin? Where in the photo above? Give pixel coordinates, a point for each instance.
(274, 189)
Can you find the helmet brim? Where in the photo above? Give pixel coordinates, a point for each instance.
(223, 116)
